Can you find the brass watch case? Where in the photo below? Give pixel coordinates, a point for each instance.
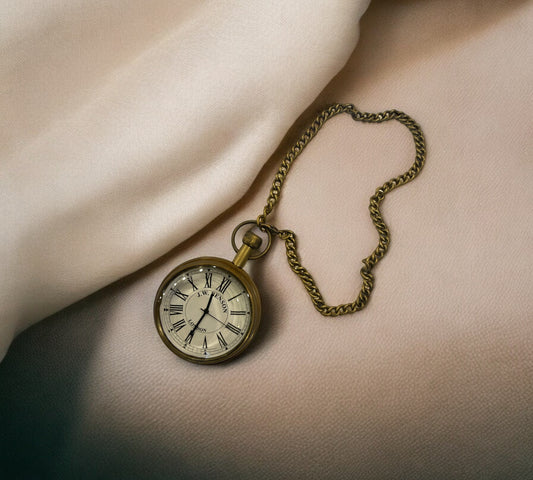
(251, 289)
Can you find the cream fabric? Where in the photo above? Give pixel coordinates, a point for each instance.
(129, 127)
(431, 381)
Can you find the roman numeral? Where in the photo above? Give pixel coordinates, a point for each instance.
(226, 282)
(183, 296)
(177, 326)
(234, 329)
(208, 276)
(222, 341)
(176, 309)
(194, 287)
(205, 342)
(188, 340)
(238, 312)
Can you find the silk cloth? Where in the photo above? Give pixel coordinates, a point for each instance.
(130, 129)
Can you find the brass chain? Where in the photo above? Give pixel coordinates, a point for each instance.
(375, 200)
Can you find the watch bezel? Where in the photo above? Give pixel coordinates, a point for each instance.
(255, 307)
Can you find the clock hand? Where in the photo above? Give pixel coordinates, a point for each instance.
(212, 316)
(208, 303)
(206, 311)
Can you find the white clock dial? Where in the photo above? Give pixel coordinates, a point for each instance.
(205, 311)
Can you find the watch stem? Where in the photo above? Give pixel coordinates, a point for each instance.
(250, 242)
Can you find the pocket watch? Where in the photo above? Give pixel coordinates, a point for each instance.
(207, 310)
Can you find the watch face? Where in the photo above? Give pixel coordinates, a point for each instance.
(207, 310)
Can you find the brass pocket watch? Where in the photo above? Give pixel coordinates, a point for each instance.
(207, 310)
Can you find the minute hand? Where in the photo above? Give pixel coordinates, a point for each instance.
(206, 311)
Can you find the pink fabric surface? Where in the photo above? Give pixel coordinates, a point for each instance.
(432, 380)
(123, 124)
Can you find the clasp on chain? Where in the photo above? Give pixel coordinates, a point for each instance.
(272, 230)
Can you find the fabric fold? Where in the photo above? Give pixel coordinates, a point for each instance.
(124, 127)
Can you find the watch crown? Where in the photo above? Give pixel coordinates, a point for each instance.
(252, 240)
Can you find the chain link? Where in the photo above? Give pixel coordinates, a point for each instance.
(375, 200)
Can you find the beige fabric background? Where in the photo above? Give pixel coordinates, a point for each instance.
(432, 380)
(125, 123)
